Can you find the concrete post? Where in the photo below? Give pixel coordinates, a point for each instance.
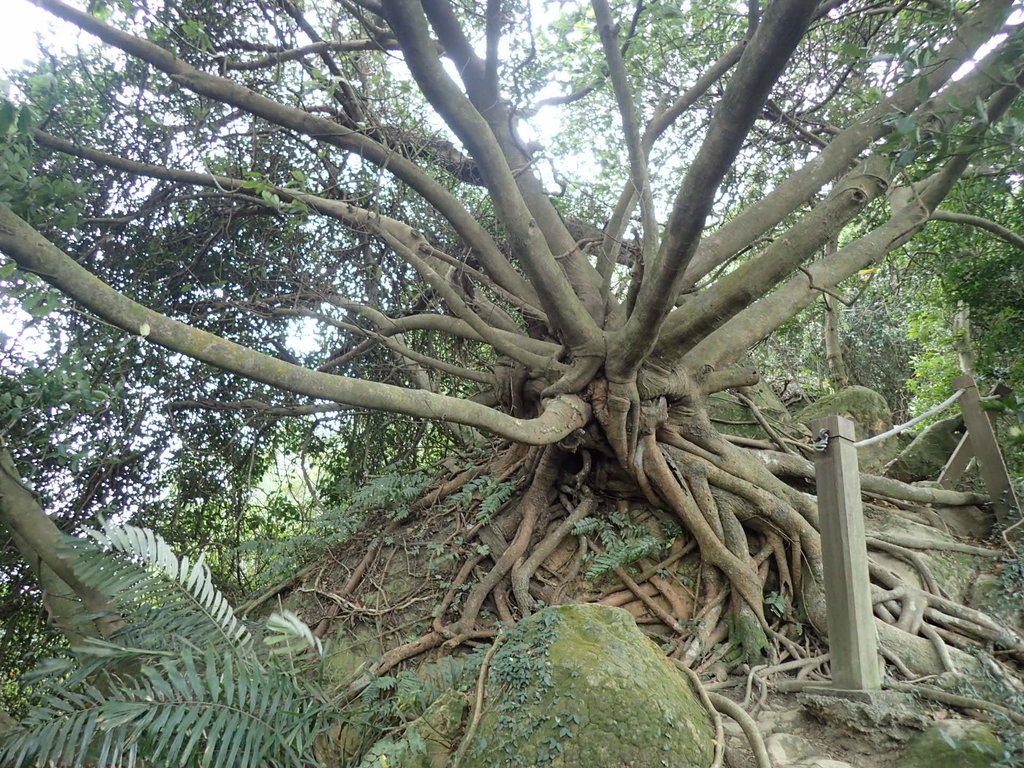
(852, 638)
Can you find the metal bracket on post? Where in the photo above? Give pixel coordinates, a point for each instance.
(852, 637)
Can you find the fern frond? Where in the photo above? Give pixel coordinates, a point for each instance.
(496, 496)
(289, 635)
(171, 714)
(587, 526)
(622, 552)
(171, 597)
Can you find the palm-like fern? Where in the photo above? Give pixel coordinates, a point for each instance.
(183, 684)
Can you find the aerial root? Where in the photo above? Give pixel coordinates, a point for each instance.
(911, 557)
(940, 647)
(747, 724)
(522, 574)
(458, 581)
(531, 505)
(956, 700)
(909, 608)
(726, 507)
(717, 705)
(716, 718)
(740, 574)
(478, 703)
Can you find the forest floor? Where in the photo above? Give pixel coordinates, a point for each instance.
(803, 730)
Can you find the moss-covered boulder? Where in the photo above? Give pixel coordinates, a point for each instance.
(869, 412)
(954, 744)
(925, 457)
(732, 417)
(579, 685)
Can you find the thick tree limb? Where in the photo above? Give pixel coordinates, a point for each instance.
(730, 341)
(35, 254)
(733, 292)
(763, 61)
(785, 465)
(529, 244)
(291, 54)
(843, 149)
(639, 174)
(73, 607)
(396, 344)
(404, 239)
(483, 93)
(658, 125)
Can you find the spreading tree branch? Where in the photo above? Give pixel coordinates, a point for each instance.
(763, 61)
(727, 343)
(560, 301)
(73, 607)
(1003, 233)
(733, 292)
(405, 240)
(639, 174)
(35, 254)
(760, 217)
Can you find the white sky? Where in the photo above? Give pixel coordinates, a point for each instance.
(18, 33)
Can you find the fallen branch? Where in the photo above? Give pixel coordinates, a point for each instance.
(478, 704)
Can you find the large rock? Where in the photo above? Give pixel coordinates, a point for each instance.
(579, 685)
(954, 744)
(733, 418)
(925, 457)
(871, 415)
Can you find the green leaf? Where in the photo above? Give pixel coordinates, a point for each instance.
(8, 115)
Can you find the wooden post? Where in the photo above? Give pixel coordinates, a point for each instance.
(960, 460)
(957, 463)
(852, 638)
(986, 449)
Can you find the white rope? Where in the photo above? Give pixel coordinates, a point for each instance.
(914, 421)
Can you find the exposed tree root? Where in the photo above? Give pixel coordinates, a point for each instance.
(477, 710)
(521, 575)
(533, 501)
(746, 535)
(729, 707)
(716, 718)
(956, 700)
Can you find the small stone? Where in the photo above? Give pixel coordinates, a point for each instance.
(785, 748)
(731, 727)
(788, 716)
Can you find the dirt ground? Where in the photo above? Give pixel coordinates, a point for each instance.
(814, 731)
